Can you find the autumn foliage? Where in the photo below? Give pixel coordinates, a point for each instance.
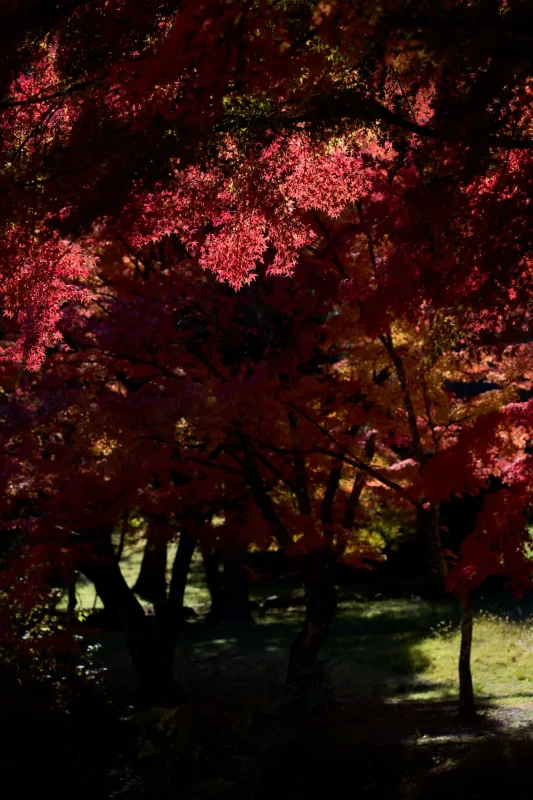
(251, 255)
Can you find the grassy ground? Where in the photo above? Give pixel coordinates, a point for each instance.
(393, 733)
(400, 649)
(395, 649)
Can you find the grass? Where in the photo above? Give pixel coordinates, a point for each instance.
(394, 649)
(399, 649)
(409, 649)
(502, 658)
(393, 734)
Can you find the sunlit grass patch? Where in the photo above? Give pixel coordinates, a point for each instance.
(502, 656)
(409, 648)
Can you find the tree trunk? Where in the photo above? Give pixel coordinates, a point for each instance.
(320, 594)
(71, 594)
(151, 583)
(152, 663)
(235, 611)
(211, 558)
(178, 582)
(467, 705)
(122, 539)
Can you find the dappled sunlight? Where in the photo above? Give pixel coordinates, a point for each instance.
(409, 649)
(400, 649)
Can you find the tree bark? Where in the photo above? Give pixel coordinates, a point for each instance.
(153, 666)
(321, 602)
(467, 705)
(71, 594)
(228, 587)
(151, 583)
(178, 582)
(235, 611)
(213, 579)
(122, 539)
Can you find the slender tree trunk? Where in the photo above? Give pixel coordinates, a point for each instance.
(319, 580)
(235, 610)
(153, 666)
(71, 594)
(178, 582)
(151, 581)
(122, 539)
(228, 587)
(213, 579)
(321, 601)
(467, 705)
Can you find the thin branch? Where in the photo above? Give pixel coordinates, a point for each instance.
(350, 105)
(355, 462)
(275, 471)
(347, 456)
(326, 507)
(262, 498)
(427, 405)
(300, 470)
(388, 344)
(207, 463)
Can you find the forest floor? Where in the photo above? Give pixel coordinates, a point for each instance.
(400, 648)
(391, 733)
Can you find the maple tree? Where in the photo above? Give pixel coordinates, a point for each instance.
(363, 176)
(154, 461)
(273, 407)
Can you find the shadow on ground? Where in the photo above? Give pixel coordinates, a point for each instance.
(394, 751)
(230, 738)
